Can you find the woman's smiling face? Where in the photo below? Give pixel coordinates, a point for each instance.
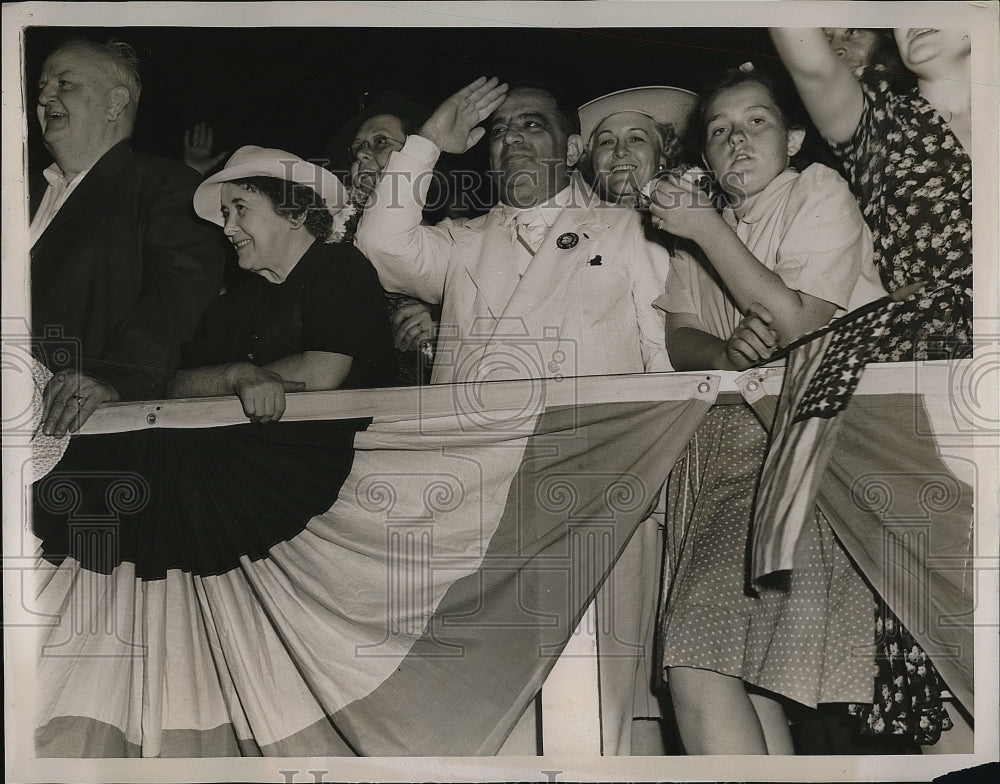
(261, 236)
(625, 152)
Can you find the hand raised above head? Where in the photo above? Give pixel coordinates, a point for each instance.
(452, 126)
(198, 143)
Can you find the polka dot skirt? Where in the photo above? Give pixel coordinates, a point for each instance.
(807, 635)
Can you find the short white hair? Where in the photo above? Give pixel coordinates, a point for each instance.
(121, 65)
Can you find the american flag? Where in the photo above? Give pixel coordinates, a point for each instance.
(823, 371)
(845, 349)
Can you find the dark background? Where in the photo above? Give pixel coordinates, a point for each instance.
(291, 88)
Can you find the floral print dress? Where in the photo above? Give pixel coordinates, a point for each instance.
(913, 180)
(907, 701)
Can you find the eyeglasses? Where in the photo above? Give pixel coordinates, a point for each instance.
(375, 145)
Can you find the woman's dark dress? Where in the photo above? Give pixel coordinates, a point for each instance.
(199, 499)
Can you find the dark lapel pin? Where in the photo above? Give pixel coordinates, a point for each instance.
(567, 241)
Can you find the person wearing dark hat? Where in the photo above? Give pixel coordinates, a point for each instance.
(361, 147)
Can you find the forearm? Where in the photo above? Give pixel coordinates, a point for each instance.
(693, 349)
(805, 52)
(213, 381)
(749, 281)
(828, 88)
(318, 370)
(410, 258)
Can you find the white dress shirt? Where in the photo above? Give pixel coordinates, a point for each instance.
(55, 197)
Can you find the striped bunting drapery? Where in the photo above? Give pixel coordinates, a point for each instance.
(895, 474)
(417, 615)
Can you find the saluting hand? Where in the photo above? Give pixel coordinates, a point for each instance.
(452, 127)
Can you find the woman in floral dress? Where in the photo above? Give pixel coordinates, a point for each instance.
(904, 144)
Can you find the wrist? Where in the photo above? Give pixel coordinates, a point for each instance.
(722, 360)
(706, 229)
(429, 137)
(234, 374)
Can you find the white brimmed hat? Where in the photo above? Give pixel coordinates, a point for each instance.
(664, 104)
(252, 161)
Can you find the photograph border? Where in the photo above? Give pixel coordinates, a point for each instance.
(980, 18)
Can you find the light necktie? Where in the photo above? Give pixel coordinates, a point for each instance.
(529, 231)
(531, 228)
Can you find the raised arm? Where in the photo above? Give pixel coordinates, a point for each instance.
(411, 258)
(831, 94)
(453, 126)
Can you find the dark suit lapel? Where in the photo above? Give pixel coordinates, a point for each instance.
(89, 193)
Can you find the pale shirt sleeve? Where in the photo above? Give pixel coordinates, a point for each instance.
(649, 275)
(679, 296)
(409, 258)
(825, 242)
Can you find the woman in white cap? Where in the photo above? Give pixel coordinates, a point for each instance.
(631, 135)
(312, 317)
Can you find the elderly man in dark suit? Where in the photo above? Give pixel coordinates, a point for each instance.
(120, 266)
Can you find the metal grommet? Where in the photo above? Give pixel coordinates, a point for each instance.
(151, 418)
(704, 387)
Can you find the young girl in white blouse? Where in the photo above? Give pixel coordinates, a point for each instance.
(788, 253)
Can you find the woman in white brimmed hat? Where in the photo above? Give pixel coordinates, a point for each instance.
(630, 136)
(204, 503)
(330, 324)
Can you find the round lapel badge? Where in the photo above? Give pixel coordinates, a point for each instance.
(567, 241)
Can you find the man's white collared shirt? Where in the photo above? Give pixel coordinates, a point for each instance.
(55, 197)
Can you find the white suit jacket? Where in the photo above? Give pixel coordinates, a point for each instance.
(580, 310)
